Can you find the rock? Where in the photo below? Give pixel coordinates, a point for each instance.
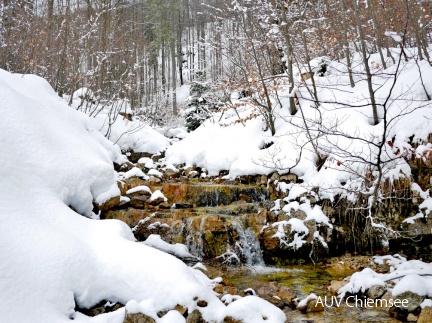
(335, 285)
(413, 318)
(240, 202)
(249, 291)
(286, 294)
(139, 193)
(414, 300)
(130, 216)
(183, 310)
(339, 269)
(154, 180)
(229, 319)
(133, 182)
(425, 315)
(298, 214)
(244, 197)
(162, 313)
(193, 174)
(127, 166)
(218, 180)
(274, 177)
(268, 241)
(124, 202)
(398, 313)
(202, 304)
(376, 291)
(195, 317)
(138, 318)
(139, 202)
(314, 306)
(261, 180)
(122, 187)
(134, 157)
(157, 157)
(289, 178)
(164, 205)
(246, 179)
(183, 205)
(171, 173)
(231, 290)
(188, 170)
(101, 308)
(111, 203)
(156, 201)
(219, 289)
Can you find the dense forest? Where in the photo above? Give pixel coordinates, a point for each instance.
(143, 50)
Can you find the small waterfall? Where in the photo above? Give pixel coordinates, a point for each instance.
(194, 241)
(248, 247)
(216, 198)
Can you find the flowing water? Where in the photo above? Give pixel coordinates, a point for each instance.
(306, 279)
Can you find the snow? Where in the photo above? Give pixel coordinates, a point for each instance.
(252, 309)
(129, 135)
(393, 35)
(178, 249)
(182, 93)
(224, 143)
(55, 163)
(83, 93)
(412, 283)
(393, 261)
(134, 172)
(304, 301)
(154, 172)
(297, 228)
(295, 192)
(228, 298)
(412, 276)
(362, 281)
(426, 302)
(147, 162)
(141, 188)
(157, 194)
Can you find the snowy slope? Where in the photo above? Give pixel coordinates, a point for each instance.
(341, 128)
(128, 134)
(53, 160)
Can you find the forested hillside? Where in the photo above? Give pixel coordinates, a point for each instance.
(191, 161)
(144, 50)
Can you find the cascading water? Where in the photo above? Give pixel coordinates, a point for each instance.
(194, 240)
(247, 247)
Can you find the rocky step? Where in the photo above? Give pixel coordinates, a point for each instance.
(207, 234)
(205, 194)
(184, 211)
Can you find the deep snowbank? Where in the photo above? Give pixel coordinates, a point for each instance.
(108, 119)
(52, 157)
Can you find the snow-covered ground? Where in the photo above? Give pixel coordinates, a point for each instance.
(404, 276)
(54, 163)
(342, 127)
(109, 119)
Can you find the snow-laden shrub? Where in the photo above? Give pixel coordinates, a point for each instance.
(201, 106)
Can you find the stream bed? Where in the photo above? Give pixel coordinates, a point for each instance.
(306, 279)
